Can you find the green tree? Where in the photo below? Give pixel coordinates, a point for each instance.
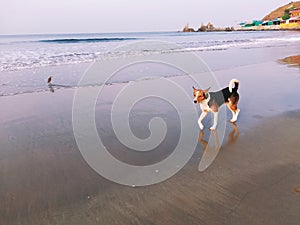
(286, 17)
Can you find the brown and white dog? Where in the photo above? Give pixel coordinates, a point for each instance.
(211, 101)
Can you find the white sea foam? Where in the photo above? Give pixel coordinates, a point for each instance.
(35, 52)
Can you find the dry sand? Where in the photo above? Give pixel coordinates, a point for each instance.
(255, 178)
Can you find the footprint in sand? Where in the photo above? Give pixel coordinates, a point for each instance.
(258, 116)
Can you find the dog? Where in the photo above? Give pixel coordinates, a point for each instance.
(212, 101)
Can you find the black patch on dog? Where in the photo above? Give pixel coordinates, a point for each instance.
(222, 96)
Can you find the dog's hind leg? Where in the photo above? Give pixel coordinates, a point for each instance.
(233, 106)
(235, 112)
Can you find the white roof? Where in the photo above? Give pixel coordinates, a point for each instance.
(294, 18)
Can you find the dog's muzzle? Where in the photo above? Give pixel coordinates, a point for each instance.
(195, 101)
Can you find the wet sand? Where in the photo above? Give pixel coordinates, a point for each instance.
(254, 179)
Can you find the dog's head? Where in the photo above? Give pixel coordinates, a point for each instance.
(200, 95)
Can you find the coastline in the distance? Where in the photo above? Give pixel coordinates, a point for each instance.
(286, 17)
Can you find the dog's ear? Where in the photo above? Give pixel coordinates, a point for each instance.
(207, 90)
(194, 88)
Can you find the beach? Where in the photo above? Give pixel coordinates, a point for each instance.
(254, 179)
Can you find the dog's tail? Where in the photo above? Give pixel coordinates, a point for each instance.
(233, 85)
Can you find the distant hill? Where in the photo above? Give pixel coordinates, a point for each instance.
(280, 11)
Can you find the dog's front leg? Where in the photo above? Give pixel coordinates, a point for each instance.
(214, 126)
(202, 116)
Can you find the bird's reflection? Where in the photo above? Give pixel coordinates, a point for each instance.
(212, 147)
(51, 88)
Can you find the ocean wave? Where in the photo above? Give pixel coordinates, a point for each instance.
(43, 51)
(56, 55)
(18, 61)
(85, 40)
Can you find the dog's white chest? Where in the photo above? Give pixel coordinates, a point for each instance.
(204, 106)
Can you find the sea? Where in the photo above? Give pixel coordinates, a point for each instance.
(26, 61)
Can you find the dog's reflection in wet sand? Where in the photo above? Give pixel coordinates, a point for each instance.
(212, 147)
(234, 134)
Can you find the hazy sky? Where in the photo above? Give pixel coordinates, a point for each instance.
(80, 16)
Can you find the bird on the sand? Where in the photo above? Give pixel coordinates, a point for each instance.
(49, 80)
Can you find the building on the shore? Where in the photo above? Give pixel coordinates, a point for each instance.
(295, 12)
(293, 21)
(277, 21)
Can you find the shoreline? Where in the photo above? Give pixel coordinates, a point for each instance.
(242, 29)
